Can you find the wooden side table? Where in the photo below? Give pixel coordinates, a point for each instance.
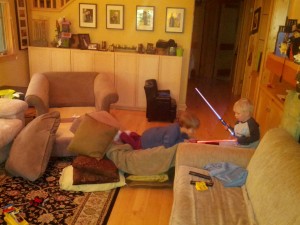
(30, 114)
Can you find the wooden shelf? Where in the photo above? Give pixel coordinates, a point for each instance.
(282, 67)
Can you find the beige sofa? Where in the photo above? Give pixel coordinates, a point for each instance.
(11, 122)
(72, 94)
(271, 193)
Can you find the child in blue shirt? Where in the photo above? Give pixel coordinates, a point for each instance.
(166, 136)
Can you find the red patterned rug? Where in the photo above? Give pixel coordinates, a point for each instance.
(59, 206)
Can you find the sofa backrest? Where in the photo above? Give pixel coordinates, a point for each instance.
(71, 88)
(273, 181)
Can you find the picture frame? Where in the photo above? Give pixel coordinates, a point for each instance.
(115, 17)
(74, 41)
(93, 46)
(87, 15)
(145, 18)
(84, 41)
(281, 43)
(22, 24)
(175, 20)
(256, 20)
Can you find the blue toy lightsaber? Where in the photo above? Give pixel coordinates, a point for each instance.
(214, 111)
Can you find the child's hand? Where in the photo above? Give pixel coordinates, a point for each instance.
(192, 140)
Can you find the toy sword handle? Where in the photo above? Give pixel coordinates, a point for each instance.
(214, 111)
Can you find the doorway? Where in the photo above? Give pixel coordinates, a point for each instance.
(216, 30)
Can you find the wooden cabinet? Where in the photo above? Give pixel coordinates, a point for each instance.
(132, 70)
(269, 110)
(60, 59)
(48, 59)
(125, 78)
(39, 60)
(170, 75)
(283, 68)
(148, 68)
(82, 60)
(128, 71)
(104, 62)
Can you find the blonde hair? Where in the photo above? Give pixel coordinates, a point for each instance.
(244, 105)
(188, 120)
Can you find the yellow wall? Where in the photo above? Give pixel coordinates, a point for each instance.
(294, 10)
(15, 71)
(129, 36)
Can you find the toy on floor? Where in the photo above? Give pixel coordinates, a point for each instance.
(12, 216)
(36, 201)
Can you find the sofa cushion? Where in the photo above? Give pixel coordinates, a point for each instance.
(79, 92)
(9, 128)
(12, 108)
(66, 183)
(217, 205)
(273, 182)
(92, 138)
(31, 150)
(151, 161)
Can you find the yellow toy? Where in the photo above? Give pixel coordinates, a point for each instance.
(12, 216)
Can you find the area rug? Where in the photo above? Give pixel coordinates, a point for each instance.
(58, 206)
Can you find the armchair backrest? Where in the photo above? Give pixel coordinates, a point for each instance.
(150, 89)
(71, 88)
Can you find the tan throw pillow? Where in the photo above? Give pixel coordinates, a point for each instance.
(92, 138)
(101, 116)
(31, 150)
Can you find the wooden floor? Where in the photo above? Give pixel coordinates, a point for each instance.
(149, 206)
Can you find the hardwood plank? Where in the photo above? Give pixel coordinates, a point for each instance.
(145, 206)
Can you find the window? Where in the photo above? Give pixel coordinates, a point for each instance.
(6, 40)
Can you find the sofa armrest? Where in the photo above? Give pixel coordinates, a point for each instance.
(198, 155)
(105, 92)
(37, 94)
(12, 108)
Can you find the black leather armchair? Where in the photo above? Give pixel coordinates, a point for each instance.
(160, 105)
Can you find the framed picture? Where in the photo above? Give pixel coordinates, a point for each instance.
(256, 19)
(21, 12)
(93, 46)
(115, 17)
(74, 41)
(281, 44)
(175, 20)
(84, 41)
(88, 15)
(145, 18)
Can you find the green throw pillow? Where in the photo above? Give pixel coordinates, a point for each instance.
(92, 138)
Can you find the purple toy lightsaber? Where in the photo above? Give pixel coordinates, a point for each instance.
(214, 111)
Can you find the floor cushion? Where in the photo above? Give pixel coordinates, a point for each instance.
(66, 183)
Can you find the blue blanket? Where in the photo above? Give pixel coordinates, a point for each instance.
(229, 174)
